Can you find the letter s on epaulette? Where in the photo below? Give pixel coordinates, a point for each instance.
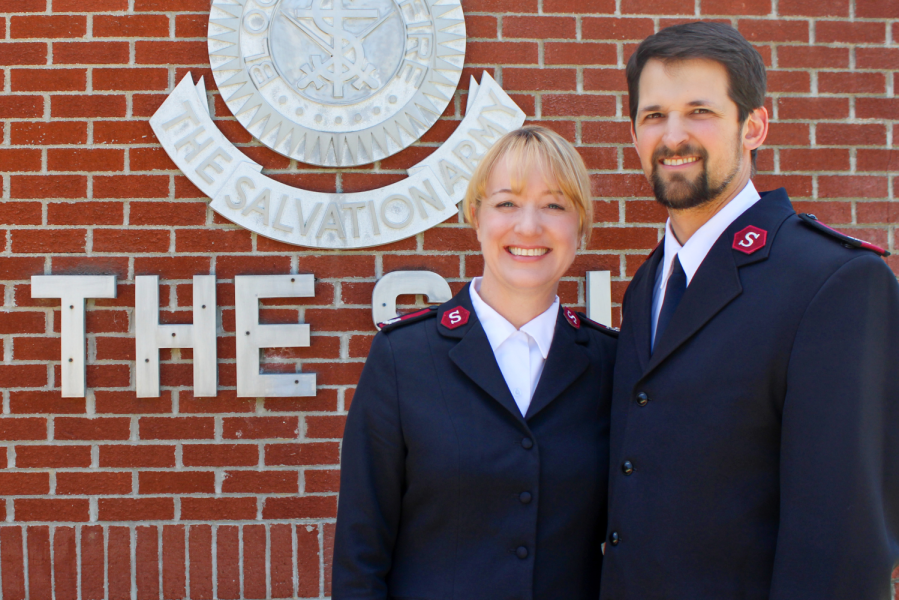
(413, 317)
(612, 331)
(848, 241)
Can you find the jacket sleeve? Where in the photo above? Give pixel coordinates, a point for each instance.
(839, 511)
(371, 482)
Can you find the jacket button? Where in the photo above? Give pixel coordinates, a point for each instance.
(642, 399)
(525, 497)
(521, 552)
(614, 539)
(527, 443)
(627, 467)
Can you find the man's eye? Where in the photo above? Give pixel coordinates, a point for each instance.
(701, 111)
(653, 116)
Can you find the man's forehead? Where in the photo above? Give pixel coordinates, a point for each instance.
(683, 81)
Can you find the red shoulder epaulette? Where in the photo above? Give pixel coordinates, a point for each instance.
(406, 319)
(612, 331)
(848, 241)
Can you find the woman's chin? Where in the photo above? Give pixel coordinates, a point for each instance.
(524, 283)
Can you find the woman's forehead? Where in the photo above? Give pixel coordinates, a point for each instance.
(519, 169)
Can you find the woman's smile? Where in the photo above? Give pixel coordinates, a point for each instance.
(527, 252)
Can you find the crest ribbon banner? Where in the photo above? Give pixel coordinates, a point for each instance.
(243, 195)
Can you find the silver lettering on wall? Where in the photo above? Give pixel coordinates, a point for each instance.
(251, 336)
(399, 283)
(599, 297)
(436, 288)
(73, 290)
(150, 336)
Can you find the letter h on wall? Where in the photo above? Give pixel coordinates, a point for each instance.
(150, 336)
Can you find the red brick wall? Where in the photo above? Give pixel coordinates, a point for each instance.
(111, 494)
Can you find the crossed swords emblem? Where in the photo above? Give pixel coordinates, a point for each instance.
(336, 66)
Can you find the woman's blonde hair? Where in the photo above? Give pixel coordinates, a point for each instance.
(530, 147)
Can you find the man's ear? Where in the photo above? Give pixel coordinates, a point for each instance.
(633, 134)
(755, 129)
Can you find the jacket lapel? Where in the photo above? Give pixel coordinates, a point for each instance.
(717, 281)
(566, 361)
(473, 354)
(639, 307)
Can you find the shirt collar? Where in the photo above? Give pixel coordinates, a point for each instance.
(541, 328)
(697, 247)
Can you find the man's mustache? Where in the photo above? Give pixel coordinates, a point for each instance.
(684, 151)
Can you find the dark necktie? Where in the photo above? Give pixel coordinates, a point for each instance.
(674, 291)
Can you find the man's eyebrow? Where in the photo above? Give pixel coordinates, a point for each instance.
(657, 107)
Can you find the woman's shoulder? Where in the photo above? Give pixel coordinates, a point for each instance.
(408, 319)
(589, 323)
(596, 335)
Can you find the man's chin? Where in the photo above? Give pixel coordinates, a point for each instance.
(679, 196)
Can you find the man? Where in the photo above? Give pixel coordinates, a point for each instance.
(755, 415)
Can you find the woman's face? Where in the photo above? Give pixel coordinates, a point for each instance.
(528, 239)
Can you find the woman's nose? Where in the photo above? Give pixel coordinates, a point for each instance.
(529, 221)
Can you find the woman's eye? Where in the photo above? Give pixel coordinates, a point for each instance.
(556, 206)
(504, 204)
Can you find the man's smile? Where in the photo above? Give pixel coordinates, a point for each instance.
(678, 161)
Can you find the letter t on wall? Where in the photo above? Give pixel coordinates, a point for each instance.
(251, 336)
(73, 290)
(150, 336)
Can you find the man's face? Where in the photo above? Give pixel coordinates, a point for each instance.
(687, 133)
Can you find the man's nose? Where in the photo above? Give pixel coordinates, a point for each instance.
(675, 131)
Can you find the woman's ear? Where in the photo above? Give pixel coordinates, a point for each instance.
(473, 219)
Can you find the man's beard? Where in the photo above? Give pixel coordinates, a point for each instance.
(679, 192)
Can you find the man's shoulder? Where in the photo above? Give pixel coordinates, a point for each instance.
(805, 243)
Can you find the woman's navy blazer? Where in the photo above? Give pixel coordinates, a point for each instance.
(447, 492)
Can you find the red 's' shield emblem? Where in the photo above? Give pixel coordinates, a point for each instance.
(750, 239)
(455, 318)
(571, 317)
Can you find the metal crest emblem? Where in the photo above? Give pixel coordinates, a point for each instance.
(334, 83)
(337, 83)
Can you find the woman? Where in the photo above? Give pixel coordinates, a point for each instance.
(475, 458)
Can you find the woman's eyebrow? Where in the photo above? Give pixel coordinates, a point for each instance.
(546, 192)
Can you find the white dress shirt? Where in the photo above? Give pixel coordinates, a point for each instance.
(697, 247)
(520, 353)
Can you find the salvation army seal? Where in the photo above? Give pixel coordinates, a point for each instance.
(336, 83)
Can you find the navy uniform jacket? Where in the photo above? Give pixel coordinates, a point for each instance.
(763, 432)
(446, 492)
